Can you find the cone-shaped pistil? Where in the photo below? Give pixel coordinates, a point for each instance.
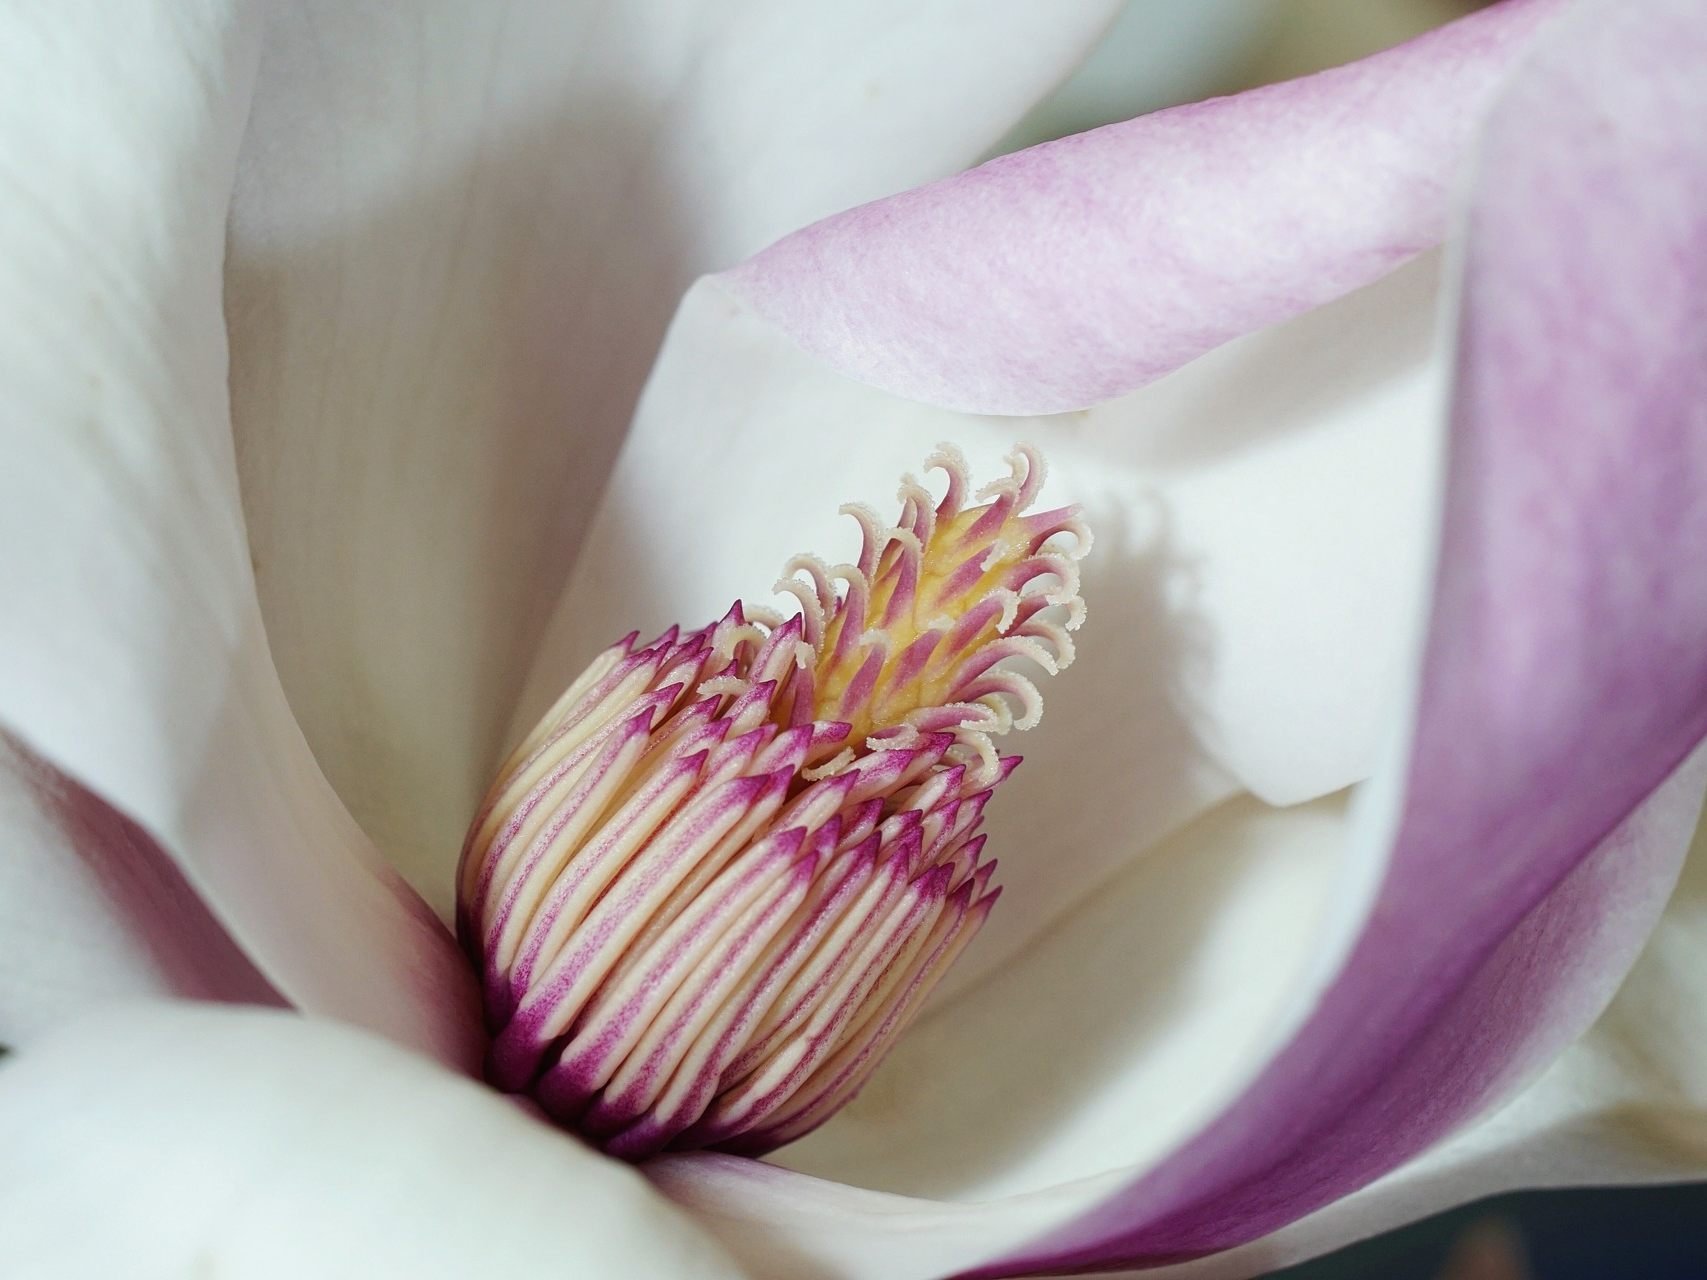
(721, 875)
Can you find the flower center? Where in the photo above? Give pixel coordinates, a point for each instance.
(937, 600)
(721, 875)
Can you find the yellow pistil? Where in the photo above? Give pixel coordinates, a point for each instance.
(935, 591)
(717, 882)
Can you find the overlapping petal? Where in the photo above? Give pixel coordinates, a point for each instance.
(1269, 443)
(459, 231)
(93, 910)
(152, 681)
(1071, 273)
(134, 654)
(1540, 986)
(1521, 843)
(1261, 520)
(1494, 888)
(1625, 1104)
(1564, 676)
(165, 1141)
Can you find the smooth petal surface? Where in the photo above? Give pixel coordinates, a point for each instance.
(1261, 528)
(1145, 1010)
(1261, 510)
(458, 234)
(1564, 676)
(1625, 1104)
(1069, 274)
(1103, 1113)
(1546, 980)
(92, 910)
(134, 658)
(1503, 873)
(251, 1145)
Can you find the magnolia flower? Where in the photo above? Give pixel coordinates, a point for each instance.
(721, 877)
(1230, 1013)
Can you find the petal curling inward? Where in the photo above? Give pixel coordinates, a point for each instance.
(1564, 676)
(1073, 272)
(457, 236)
(719, 879)
(92, 910)
(1626, 1104)
(1259, 514)
(791, 1226)
(135, 659)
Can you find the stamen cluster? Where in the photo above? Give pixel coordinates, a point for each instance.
(721, 875)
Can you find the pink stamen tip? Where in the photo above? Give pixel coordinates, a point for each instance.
(706, 894)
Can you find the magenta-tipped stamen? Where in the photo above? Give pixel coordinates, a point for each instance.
(717, 882)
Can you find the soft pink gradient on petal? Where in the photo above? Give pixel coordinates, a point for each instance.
(1336, 1110)
(1565, 674)
(1564, 680)
(1544, 981)
(93, 910)
(1625, 1104)
(1081, 269)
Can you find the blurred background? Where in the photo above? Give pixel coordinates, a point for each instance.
(1626, 1233)
(1163, 52)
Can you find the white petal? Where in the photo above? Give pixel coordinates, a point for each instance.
(1625, 1104)
(92, 910)
(169, 1141)
(1124, 1028)
(134, 655)
(1058, 1101)
(459, 233)
(1550, 967)
(1297, 471)
(1260, 525)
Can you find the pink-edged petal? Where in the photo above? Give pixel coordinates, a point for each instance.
(1073, 272)
(459, 231)
(1262, 529)
(1627, 1103)
(93, 910)
(1565, 674)
(134, 654)
(1579, 941)
(165, 1141)
(1329, 1116)
(1510, 860)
